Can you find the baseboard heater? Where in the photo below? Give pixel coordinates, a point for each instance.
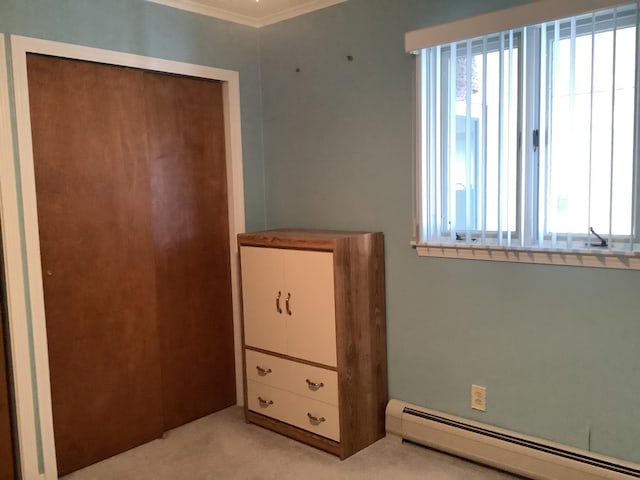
(509, 451)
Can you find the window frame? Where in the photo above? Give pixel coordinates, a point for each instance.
(497, 42)
(528, 180)
(584, 26)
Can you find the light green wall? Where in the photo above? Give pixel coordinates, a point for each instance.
(143, 28)
(558, 348)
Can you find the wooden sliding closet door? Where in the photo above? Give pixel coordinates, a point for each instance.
(6, 440)
(131, 190)
(94, 216)
(185, 138)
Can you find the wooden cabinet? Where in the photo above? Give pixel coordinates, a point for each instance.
(314, 336)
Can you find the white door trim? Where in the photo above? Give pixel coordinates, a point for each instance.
(17, 308)
(22, 246)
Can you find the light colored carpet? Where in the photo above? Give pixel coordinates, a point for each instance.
(222, 446)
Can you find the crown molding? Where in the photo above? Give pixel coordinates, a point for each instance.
(297, 11)
(256, 22)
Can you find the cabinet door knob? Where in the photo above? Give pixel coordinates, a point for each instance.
(315, 420)
(278, 309)
(264, 403)
(287, 305)
(314, 386)
(263, 371)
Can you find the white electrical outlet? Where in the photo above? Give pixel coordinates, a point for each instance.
(479, 398)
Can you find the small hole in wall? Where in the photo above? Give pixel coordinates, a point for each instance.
(297, 70)
(350, 58)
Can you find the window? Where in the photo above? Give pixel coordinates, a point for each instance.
(528, 138)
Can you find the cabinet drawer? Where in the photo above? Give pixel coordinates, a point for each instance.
(268, 401)
(316, 383)
(316, 417)
(313, 382)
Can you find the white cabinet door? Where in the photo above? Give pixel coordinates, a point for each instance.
(311, 325)
(288, 300)
(262, 283)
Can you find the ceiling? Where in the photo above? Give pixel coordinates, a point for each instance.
(256, 13)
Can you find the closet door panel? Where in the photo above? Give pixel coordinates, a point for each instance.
(185, 136)
(6, 441)
(94, 217)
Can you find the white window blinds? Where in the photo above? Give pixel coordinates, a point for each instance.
(529, 137)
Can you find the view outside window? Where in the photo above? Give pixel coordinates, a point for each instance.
(480, 162)
(587, 162)
(528, 136)
(591, 137)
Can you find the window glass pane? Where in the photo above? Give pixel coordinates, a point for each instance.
(469, 167)
(569, 85)
(622, 197)
(590, 167)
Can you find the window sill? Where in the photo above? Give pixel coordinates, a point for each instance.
(566, 257)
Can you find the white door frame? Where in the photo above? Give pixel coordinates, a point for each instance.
(25, 300)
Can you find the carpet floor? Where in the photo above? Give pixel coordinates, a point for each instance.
(222, 446)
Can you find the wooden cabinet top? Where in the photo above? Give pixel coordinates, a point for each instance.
(301, 238)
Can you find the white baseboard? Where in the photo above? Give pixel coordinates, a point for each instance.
(503, 449)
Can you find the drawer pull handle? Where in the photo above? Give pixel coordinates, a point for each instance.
(315, 420)
(263, 371)
(287, 305)
(264, 403)
(278, 309)
(314, 386)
